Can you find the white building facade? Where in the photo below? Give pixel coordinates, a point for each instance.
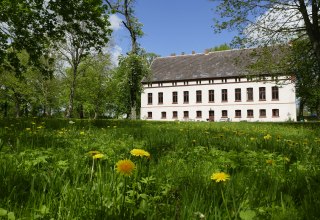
(212, 94)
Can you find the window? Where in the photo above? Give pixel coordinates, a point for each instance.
(199, 96)
(237, 95)
(186, 114)
(199, 114)
(249, 113)
(262, 93)
(149, 115)
(275, 113)
(174, 114)
(249, 94)
(238, 113)
(275, 93)
(263, 113)
(163, 115)
(174, 97)
(211, 95)
(149, 98)
(186, 97)
(224, 95)
(160, 98)
(224, 114)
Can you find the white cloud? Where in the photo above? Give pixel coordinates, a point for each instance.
(116, 22)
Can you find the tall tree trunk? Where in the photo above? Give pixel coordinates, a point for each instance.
(301, 107)
(72, 93)
(5, 111)
(81, 113)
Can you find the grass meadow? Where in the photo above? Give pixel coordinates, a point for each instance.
(80, 169)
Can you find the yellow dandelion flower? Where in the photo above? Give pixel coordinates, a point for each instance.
(140, 153)
(125, 167)
(271, 162)
(267, 137)
(98, 156)
(218, 177)
(94, 152)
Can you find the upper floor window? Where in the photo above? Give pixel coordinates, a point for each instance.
(175, 97)
(199, 96)
(275, 113)
(238, 113)
(249, 94)
(211, 95)
(186, 97)
(160, 98)
(249, 113)
(237, 95)
(163, 115)
(149, 98)
(275, 93)
(224, 95)
(262, 93)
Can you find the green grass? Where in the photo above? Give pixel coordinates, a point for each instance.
(47, 173)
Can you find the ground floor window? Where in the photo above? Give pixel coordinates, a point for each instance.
(275, 113)
(249, 113)
(199, 114)
(163, 115)
(263, 113)
(149, 115)
(174, 114)
(224, 114)
(186, 114)
(238, 113)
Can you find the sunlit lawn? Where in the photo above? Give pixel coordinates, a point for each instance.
(61, 169)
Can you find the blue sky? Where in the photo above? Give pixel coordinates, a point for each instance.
(174, 26)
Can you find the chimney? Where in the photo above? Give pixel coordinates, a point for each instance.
(193, 52)
(182, 53)
(173, 54)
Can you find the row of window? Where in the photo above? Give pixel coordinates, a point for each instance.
(224, 114)
(224, 95)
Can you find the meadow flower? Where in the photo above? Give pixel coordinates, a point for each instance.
(94, 152)
(271, 162)
(98, 156)
(71, 122)
(28, 129)
(252, 139)
(82, 132)
(33, 123)
(140, 153)
(267, 137)
(218, 177)
(125, 167)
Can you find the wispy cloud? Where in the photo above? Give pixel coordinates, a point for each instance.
(116, 22)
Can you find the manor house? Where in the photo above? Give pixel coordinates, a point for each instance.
(215, 86)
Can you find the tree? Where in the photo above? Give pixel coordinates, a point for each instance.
(272, 21)
(131, 23)
(85, 27)
(220, 48)
(129, 74)
(94, 84)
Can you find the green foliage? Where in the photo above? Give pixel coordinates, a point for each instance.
(132, 69)
(220, 48)
(47, 171)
